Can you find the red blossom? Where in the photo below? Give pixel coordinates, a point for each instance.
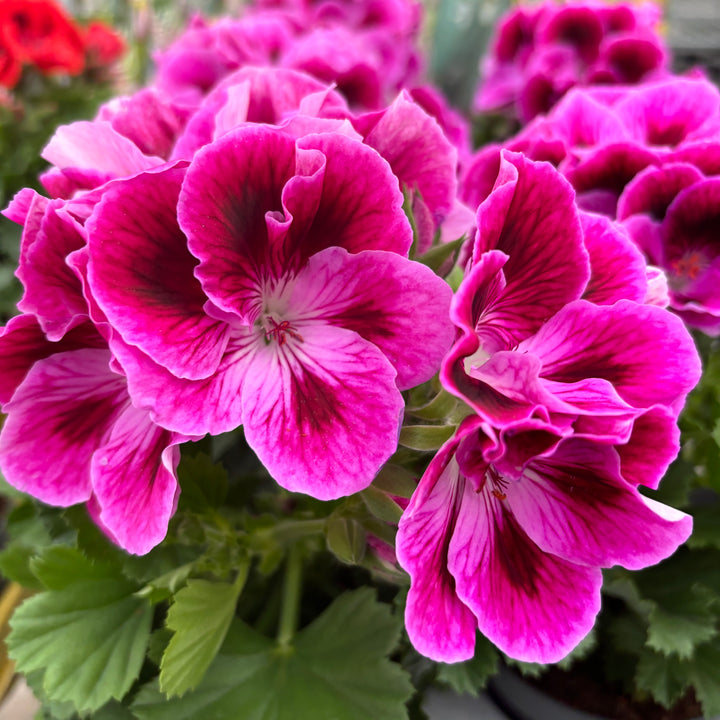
(43, 35)
(103, 46)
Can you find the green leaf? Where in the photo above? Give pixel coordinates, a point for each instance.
(15, 565)
(680, 631)
(704, 677)
(425, 437)
(436, 256)
(200, 617)
(60, 566)
(204, 483)
(471, 676)
(337, 669)
(89, 637)
(381, 505)
(396, 480)
(665, 678)
(346, 539)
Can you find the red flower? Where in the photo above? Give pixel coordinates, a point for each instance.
(10, 65)
(43, 34)
(103, 45)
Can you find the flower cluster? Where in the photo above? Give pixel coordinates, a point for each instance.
(647, 156)
(161, 304)
(541, 51)
(259, 240)
(538, 488)
(40, 34)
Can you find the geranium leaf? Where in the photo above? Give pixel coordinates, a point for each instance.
(200, 617)
(204, 483)
(703, 674)
(337, 669)
(679, 632)
(471, 676)
(89, 638)
(665, 678)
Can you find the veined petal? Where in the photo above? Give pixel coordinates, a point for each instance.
(141, 275)
(230, 187)
(60, 414)
(439, 625)
(531, 217)
(358, 209)
(133, 478)
(644, 351)
(576, 505)
(53, 292)
(192, 407)
(534, 606)
(653, 445)
(418, 152)
(322, 413)
(96, 145)
(617, 268)
(22, 343)
(398, 305)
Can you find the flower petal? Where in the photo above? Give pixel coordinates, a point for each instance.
(322, 413)
(59, 415)
(141, 275)
(576, 505)
(398, 305)
(439, 625)
(133, 477)
(534, 606)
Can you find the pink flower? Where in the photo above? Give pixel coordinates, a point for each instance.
(283, 300)
(507, 533)
(539, 53)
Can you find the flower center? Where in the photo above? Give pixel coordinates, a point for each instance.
(279, 331)
(497, 482)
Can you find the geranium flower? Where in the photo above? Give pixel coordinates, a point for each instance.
(72, 434)
(539, 53)
(531, 347)
(507, 533)
(283, 300)
(43, 35)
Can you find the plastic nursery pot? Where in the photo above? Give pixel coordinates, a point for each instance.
(522, 701)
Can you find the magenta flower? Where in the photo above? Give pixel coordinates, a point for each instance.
(72, 434)
(507, 533)
(531, 347)
(283, 300)
(539, 53)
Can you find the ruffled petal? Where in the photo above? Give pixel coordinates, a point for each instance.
(575, 504)
(322, 412)
(398, 305)
(141, 275)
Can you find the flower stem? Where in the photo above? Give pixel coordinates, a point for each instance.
(291, 597)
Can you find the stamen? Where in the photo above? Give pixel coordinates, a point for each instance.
(280, 330)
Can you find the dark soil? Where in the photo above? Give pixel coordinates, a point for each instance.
(582, 691)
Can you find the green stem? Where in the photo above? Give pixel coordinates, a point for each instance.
(292, 530)
(291, 597)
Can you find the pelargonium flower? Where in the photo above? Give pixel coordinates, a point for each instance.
(539, 53)
(280, 297)
(507, 533)
(672, 213)
(531, 347)
(575, 383)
